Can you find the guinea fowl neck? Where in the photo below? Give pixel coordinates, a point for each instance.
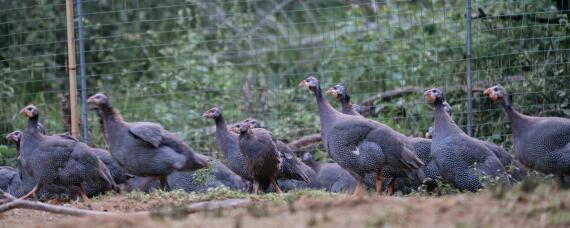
(111, 119)
(346, 105)
(515, 117)
(223, 134)
(32, 128)
(326, 111)
(443, 124)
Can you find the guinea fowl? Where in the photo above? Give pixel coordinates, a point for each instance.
(261, 154)
(341, 94)
(143, 148)
(361, 145)
(540, 143)
(513, 167)
(6, 175)
(329, 176)
(456, 153)
(291, 167)
(229, 144)
(420, 146)
(59, 161)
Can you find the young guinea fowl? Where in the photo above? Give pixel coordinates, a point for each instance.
(261, 154)
(57, 160)
(361, 145)
(540, 143)
(291, 167)
(456, 153)
(143, 148)
(420, 146)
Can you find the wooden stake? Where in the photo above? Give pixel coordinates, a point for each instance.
(72, 68)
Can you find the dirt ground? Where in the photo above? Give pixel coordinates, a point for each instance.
(540, 207)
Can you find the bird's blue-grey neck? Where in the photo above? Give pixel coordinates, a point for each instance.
(325, 109)
(443, 124)
(515, 117)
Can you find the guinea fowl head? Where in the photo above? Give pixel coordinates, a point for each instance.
(30, 111)
(339, 92)
(14, 136)
(244, 127)
(308, 157)
(213, 113)
(434, 96)
(496, 93)
(253, 122)
(311, 83)
(99, 99)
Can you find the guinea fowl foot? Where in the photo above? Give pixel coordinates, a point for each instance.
(276, 186)
(359, 190)
(31, 193)
(83, 195)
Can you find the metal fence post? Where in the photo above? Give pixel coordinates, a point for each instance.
(84, 120)
(469, 73)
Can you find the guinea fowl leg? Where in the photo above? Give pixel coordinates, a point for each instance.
(378, 183)
(359, 190)
(275, 185)
(255, 186)
(33, 192)
(83, 194)
(163, 183)
(391, 186)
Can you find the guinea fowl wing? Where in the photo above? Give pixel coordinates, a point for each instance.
(148, 132)
(292, 168)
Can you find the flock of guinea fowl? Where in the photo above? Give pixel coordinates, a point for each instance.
(372, 155)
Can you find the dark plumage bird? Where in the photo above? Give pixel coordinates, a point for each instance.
(420, 146)
(228, 140)
(59, 161)
(361, 145)
(540, 143)
(330, 176)
(143, 148)
(229, 144)
(291, 167)
(261, 154)
(456, 154)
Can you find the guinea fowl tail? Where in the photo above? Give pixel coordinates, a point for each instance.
(106, 175)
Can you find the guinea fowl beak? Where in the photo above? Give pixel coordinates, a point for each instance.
(429, 96)
(490, 93)
(303, 84)
(91, 100)
(25, 112)
(332, 92)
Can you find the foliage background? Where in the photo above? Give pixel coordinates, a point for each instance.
(168, 61)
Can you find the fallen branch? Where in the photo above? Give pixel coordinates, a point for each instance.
(517, 17)
(305, 140)
(9, 202)
(368, 107)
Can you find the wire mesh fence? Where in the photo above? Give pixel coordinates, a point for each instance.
(169, 61)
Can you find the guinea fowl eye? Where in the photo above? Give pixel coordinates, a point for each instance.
(29, 108)
(434, 91)
(495, 89)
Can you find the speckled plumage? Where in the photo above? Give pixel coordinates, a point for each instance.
(58, 160)
(420, 146)
(143, 148)
(461, 160)
(330, 176)
(540, 143)
(361, 145)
